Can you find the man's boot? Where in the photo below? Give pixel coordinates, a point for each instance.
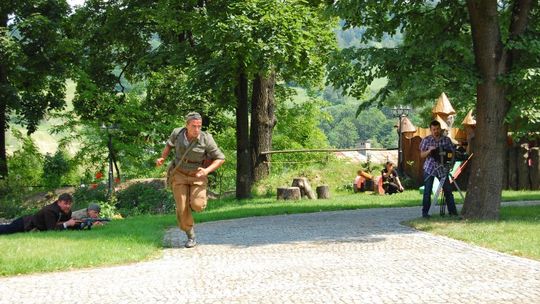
(190, 243)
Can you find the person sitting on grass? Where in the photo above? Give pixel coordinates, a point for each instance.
(391, 182)
(359, 182)
(56, 216)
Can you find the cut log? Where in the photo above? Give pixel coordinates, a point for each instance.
(305, 188)
(323, 192)
(288, 193)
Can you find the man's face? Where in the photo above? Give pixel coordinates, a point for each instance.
(435, 131)
(93, 214)
(65, 206)
(194, 128)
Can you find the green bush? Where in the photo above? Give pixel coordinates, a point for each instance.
(145, 198)
(55, 167)
(85, 195)
(25, 165)
(25, 172)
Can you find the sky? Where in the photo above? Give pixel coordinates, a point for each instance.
(75, 2)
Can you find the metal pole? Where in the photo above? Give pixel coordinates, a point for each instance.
(400, 148)
(110, 165)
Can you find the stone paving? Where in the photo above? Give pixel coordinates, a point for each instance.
(361, 256)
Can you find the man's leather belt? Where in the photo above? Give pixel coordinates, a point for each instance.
(187, 172)
(187, 161)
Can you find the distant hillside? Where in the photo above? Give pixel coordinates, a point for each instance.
(46, 142)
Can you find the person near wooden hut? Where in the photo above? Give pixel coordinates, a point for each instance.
(429, 147)
(390, 177)
(359, 182)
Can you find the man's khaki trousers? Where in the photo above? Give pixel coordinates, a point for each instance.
(190, 194)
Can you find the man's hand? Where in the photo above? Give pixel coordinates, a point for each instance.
(424, 154)
(71, 222)
(201, 172)
(160, 161)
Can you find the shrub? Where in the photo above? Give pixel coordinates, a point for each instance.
(55, 167)
(94, 193)
(25, 165)
(145, 198)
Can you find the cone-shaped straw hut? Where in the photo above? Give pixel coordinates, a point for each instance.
(469, 120)
(443, 107)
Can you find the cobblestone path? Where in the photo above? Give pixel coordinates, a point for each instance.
(361, 256)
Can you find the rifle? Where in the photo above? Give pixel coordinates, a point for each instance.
(87, 222)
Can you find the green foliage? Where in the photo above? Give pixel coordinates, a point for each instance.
(435, 55)
(345, 130)
(108, 209)
(55, 167)
(87, 194)
(37, 60)
(145, 198)
(26, 164)
(298, 118)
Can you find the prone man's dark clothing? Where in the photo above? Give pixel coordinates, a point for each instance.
(49, 217)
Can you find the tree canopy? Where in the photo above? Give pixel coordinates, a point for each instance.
(36, 59)
(483, 53)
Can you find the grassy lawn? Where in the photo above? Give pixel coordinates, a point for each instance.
(515, 233)
(140, 238)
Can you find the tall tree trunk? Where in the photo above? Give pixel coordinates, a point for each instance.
(484, 191)
(3, 109)
(243, 164)
(263, 121)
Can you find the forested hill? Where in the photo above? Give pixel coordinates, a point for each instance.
(345, 130)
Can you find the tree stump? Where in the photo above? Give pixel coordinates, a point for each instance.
(323, 192)
(305, 188)
(288, 193)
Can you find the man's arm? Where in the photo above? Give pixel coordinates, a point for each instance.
(164, 155)
(216, 163)
(426, 148)
(51, 222)
(398, 180)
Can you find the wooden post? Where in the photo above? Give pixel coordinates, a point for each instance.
(323, 192)
(288, 193)
(535, 168)
(305, 188)
(523, 168)
(512, 167)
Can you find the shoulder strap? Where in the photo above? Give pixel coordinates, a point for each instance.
(191, 145)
